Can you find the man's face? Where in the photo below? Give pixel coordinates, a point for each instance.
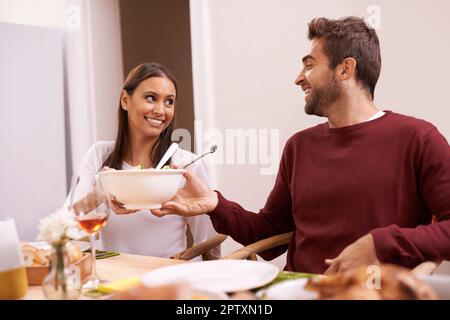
(317, 81)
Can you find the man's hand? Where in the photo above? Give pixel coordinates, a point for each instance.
(193, 199)
(359, 253)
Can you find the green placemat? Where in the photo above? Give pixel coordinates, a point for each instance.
(288, 275)
(94, 293)
(103, 254)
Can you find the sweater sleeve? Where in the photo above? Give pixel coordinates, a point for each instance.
(411, 246)
(247, 227)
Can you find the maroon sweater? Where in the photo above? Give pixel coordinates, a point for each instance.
(388, 177)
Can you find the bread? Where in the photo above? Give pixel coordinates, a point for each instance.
(28, 252)
(34, 257)
(42, 257)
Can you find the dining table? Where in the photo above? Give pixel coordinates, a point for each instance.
(127, 265)
(117, 267)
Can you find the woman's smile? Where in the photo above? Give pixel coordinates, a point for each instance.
(155, 122)
(151, 106)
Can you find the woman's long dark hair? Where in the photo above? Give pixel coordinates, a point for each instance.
(135, 77)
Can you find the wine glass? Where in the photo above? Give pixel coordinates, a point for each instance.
(91, 206)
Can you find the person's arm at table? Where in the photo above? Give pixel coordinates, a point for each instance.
(229, 217)
(411, 246)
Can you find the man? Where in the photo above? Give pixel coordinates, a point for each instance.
(358, 190)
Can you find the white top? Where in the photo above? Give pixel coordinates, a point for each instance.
(141, 232)
(377, 115)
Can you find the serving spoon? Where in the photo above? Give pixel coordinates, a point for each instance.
(212, 150)
(169, 153)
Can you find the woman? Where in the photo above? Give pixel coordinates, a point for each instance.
(145, 115)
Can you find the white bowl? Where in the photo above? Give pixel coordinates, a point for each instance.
(142, 189)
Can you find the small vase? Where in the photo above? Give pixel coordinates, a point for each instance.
(63, 282)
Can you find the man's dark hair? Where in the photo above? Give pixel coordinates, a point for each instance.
(350, 37)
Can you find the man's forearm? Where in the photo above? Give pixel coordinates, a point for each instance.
(244, 226)
(411, 246)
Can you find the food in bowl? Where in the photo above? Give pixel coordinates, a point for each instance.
(141, 167)
(142, 188)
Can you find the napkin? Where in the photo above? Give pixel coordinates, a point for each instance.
(114, 286)
(120, 285)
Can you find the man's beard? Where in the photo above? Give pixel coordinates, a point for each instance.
(322, 97)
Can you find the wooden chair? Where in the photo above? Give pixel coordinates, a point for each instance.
(249, 252)
(202, 249)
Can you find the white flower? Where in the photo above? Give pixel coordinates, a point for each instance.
(58, 226)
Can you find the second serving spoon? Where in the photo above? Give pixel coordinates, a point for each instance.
(212, 150)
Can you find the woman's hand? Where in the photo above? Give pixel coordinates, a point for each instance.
(193, 199)
(117, 206)
(87, 203)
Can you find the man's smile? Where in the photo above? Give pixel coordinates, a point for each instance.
(306, 89)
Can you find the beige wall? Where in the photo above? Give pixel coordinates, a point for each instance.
(105, 49)
(93, 72)
(250, 53)
(158, 31)
(44, 13)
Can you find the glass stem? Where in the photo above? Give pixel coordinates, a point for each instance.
(94, 269)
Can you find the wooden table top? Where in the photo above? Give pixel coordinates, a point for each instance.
(121, 266)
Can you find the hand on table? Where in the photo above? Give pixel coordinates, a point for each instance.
(359, 253)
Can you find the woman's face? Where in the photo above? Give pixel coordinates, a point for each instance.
(151, 107)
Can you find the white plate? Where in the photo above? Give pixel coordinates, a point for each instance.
(217, 275)
(83, 245)
(288, 290)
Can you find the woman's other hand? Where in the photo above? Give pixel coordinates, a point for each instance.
(118, 207)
